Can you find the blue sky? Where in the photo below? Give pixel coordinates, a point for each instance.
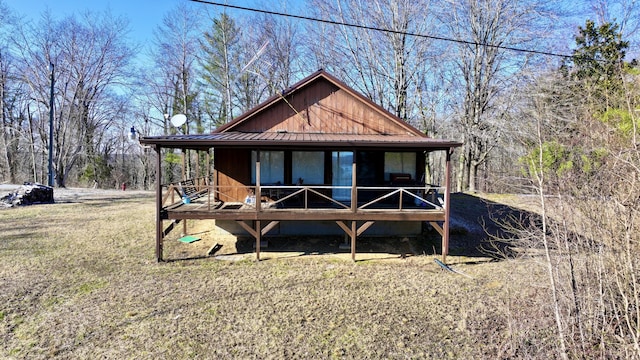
(144, 15)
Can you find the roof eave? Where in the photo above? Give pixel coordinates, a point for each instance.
(432, 145)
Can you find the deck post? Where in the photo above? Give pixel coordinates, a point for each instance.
(184, 177)
(354, 235)
(447, 212)
(258, 239)
(354, 190)
(197, 173)
(258, 192)
(184, 164)
(159, 234)
(206, 181)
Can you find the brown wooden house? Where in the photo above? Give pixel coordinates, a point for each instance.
(317, 158)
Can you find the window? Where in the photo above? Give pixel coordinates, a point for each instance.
(341, 165)
(399, 162)
(308, 166)
(271, 167)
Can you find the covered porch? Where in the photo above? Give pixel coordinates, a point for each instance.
(237, 184)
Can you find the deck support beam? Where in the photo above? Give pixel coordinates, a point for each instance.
(447, 211)
(364, 227)
(269, 226)
(437, 227)
(354, 236)
(353, 232)
(248, 228)
(184, 177)
(258, 239)
(159, 231)
(258, 232)
(169, 228)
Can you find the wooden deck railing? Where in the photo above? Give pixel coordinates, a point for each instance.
(299, 197)
(305, 197)
(191, 188)
(416, 195)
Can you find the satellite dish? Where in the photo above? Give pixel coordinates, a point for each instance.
(178, 120)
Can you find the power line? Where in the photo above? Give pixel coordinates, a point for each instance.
(365, 27)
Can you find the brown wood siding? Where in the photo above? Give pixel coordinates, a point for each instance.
(233, 169)
(321, 107)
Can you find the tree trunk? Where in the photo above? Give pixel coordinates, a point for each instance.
(462, 170)
(473, 176)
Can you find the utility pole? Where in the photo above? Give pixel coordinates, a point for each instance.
(50, 183)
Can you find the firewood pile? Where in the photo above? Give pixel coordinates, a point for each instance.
(27, 194)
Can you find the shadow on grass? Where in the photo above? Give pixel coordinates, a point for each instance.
(366, 247)
(103, 200)
(476, 223)
(189, 258)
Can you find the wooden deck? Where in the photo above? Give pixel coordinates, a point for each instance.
(303, 203)
(238, 211)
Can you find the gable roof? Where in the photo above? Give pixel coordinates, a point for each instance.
(320, 103)
(318, 112)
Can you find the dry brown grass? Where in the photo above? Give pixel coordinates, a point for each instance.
(79, 280)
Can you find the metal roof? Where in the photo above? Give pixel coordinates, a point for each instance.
(286, 140)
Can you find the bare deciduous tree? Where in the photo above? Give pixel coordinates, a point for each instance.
(90, 60)
(176, 51)
(174, 84)
(486, 68)
(386, 66)
(584, 167)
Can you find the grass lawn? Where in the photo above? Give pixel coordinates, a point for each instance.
(79, 280)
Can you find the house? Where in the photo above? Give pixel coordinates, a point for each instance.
(318, 153)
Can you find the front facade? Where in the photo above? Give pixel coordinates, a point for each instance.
(319, 158)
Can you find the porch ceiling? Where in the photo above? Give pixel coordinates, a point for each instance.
(284, 140)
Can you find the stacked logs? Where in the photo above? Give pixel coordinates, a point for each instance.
(28, 194)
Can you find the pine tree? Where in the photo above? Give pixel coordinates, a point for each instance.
(599, 62)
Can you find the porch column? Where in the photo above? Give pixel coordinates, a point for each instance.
(258, 191)
(159, 234)
(447, 212)
(354, 205)
(214, 176)
(208, 167)
(184, 177)
(206, 181)
(184, 164)
(354, 191)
